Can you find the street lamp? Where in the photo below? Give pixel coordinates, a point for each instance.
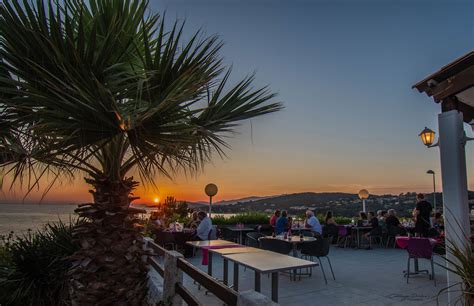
(363, 194)
(434, 188)
(211, 190)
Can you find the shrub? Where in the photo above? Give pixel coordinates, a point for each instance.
(245, 218)
(33, 267)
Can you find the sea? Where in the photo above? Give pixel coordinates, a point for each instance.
(19, 218)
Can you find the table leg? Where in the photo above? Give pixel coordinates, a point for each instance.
(416, 265)
(236, 277)
(226, 272)
(209, 264)
(257, 281)
(358, 238)
(275, 287)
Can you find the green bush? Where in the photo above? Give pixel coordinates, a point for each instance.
(33, 267)
(244, 218)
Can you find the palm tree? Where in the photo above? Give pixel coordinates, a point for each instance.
(102, 89)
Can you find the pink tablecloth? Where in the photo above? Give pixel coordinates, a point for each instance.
(205, 251)
(402, 241)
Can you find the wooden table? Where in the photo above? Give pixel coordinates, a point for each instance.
(227, 251)
(208, 244)
(266, 262)
(201, 243)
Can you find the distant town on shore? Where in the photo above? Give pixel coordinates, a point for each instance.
(344, 204)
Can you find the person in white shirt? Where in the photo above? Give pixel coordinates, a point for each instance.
(312, 222)
(205, 226)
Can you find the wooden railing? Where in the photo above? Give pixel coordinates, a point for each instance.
(221, 291)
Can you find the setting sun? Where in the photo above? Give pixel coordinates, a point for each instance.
(156, 200)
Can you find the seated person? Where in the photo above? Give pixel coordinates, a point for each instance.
(374, 224)
(282, 223)
(194, 223)
(312, 223)
(394, 226)
(290, 223)
(275, 217)
(437, 221)
(329, 218)
(382, 223)
(204, 228)
(362, 221)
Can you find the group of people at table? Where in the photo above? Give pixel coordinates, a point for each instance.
(424, 223)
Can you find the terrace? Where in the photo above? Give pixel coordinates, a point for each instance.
(363, 277)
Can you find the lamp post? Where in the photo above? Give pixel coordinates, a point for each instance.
(210, 190)
(434, 188)
(363, 194)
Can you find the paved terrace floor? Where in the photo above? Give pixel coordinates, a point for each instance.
(363, 277)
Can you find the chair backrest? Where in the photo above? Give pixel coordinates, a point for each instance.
(326, 244)
(164, 237)
(266, 229)
(227, 234)
(312, 248)
(330, 230)
(252, 239)
(393, 230)
(420, 247)
(276, 245)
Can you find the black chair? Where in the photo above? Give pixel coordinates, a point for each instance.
(330, 230)
(392, 232)
(229, 235)
(318, 249)
(166, 239)
(266, 229)
(374, 235)
(252, 239)
(276, 245)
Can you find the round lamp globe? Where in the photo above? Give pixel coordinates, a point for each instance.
(211, 190)
(363, 194)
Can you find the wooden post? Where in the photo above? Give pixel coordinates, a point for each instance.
(173, 275)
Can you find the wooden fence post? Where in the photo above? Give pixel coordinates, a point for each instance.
(173, 275)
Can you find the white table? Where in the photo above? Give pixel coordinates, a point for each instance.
(266, 262)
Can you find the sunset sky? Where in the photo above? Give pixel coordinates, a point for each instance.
(344, 72)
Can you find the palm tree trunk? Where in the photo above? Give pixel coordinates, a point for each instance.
(108, 269)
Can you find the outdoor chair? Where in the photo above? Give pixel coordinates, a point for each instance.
(374, 235)
(420, 248)
(330, 230)
(229, 235)
(276, 245)
(319, 248)
(166, 239)
(307, 233)
(343, 236)
(266, 229)
(392, 233)
(252, 239)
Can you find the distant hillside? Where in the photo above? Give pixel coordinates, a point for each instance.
(344, 204)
